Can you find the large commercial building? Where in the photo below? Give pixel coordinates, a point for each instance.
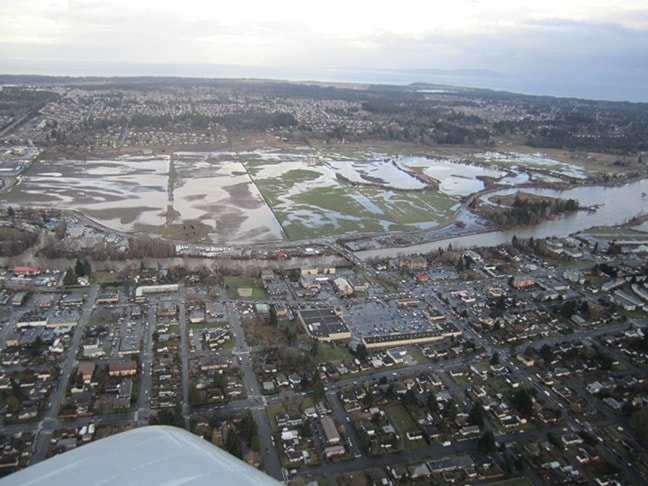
(324, 324)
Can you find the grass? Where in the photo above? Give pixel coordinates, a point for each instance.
(384, 283)
(287, 407)
(416, 354)
(513, 482)
(460, 380)
(208, 325)
(404, 423)
(232, 284)
(341, 207)
(229, 344)
(333, 354)
(274, 409)
(105, 277)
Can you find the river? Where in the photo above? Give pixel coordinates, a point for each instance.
(616, 205)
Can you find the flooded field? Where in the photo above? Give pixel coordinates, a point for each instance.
(269, 195)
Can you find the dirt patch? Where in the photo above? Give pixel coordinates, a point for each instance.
(125, 216)
(245, 292)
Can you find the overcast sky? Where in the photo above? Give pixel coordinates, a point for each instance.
(592, 49)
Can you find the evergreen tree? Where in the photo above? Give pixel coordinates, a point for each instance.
(314, 350)
(486, 442)
(70, 278)
(248, 427)
(476, 416)
(233, 444)
(361, 351)
(432, 403)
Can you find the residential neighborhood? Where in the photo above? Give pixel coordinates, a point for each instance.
(525, 360)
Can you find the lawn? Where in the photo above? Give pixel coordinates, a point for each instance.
(309, 200)
(287, 407)
(232, 284)
(385, 284)
(333, 353)
(106, 277)
(191, 231)
(513, 482)
(401, 419)
(208, 325)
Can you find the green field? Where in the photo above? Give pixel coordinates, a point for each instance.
(310, 200)
(232, 284)
(333, 354)
(404, 423)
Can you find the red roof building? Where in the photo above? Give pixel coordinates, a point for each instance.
(23, 270)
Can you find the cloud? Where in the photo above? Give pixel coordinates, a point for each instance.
(580, 38)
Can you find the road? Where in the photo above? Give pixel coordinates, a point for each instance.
(184, 358)
(256, 402)
(50, 420)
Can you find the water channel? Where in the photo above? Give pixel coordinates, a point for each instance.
(615, 205)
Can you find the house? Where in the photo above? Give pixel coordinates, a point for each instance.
(281, 380)
(334, 451)
(122, 368)
(331, 435)
(167, 309)
(26, 270)
(86, 369)
(211, 363)
(197, 316)
(342, 287)
(125, 389)
(413, 263)
(108, 298)
(520, 282)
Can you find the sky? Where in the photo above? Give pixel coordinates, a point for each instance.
(588, 49)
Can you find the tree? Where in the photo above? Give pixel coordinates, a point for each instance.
(168, 416)
(476, 416)
(365, 441)
(194, 395)
(495, 359)
(639, 421)
(546, 353)
(80, 268)
(369, 399)
(431, 403)
(318, 390)
(314, 350)
(361, 351)
(409, 398)
(523, 401)
(451, 411)
(233, 444)
(486, 442)
(70, 278)
(217, 380)
(460, 265)
(248, 427)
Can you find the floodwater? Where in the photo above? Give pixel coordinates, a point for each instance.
(615, 205)
(219, 189)
(132, 192)
(455, 179)
(216, 190)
